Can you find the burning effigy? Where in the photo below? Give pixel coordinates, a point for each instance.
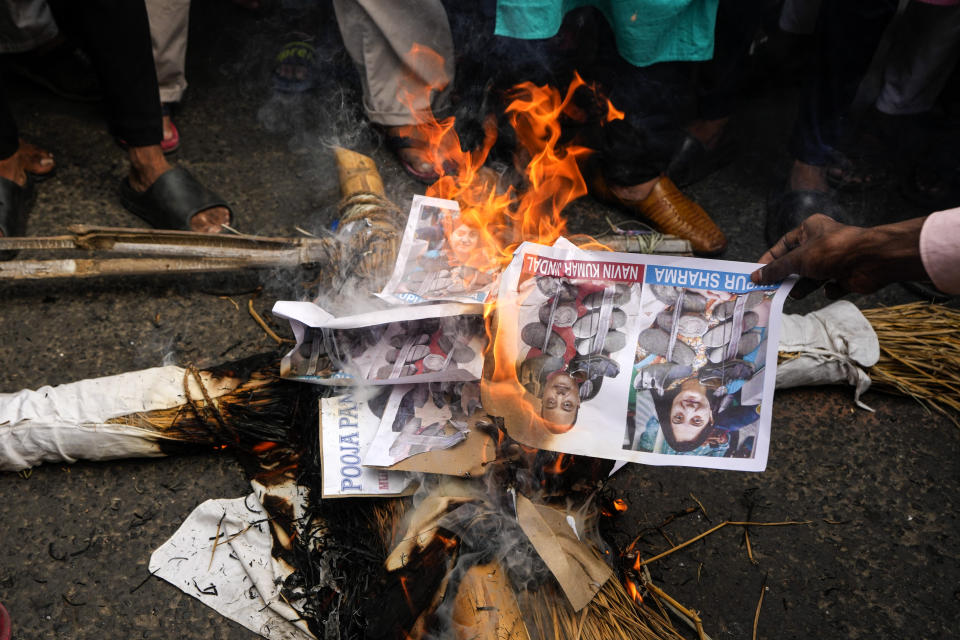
(428, 460)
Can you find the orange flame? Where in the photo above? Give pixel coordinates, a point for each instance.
(619, 506)
(504, 219)
(561, 464)
(406, 592)
(633, 591)
(260, 447)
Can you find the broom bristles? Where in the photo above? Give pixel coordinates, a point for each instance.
(919, 355)
(611, 615)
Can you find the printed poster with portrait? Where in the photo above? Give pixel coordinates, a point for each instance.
(651, 359)
(442, 257)
(420, 343)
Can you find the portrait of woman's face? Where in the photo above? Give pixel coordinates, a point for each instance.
(463, 241)
(690, 414)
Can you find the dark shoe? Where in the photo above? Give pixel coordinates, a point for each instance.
(171, 201)
(671, 212)
(693, 161)
(787, 210)
(15, 205)
(65, 71)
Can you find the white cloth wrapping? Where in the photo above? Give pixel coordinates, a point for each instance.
(835, 344)
(238, 577)
(68, 422)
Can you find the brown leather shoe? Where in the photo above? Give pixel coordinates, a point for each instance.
(671, 212)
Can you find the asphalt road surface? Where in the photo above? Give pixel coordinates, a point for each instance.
(879, 558)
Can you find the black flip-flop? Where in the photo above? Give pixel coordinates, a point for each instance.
(172, 200)
(788, 209)
(15, 205)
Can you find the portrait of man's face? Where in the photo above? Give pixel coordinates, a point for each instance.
(560, 403)
(690, 416)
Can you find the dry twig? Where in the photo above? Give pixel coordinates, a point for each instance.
(700, 536)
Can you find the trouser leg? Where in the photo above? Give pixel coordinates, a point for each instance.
(116, 34)
(9, 137)
(848, 33)
(718, 82)
(923, 55)
(169, 24)
(379, 36)
(25, 25)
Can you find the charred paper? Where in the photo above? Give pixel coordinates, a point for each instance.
(443, 257)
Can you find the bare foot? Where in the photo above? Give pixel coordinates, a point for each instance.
(167, 128)
(147, 164)
(35, 160)
(808, 177)
(708, 132)
(27, 158)
(635, 193)
(414, 152)
(12, 168)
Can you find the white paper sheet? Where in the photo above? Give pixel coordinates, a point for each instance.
(422, 343)
(237, 578)
(347, 428)
(653, 359)
(442, 257)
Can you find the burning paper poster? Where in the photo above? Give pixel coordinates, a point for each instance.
(639, 358)
(347, 427)
(423, 417)
(422, 343)
(442, 257)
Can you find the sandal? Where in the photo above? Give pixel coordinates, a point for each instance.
(171, 144)
(15, 205)
(412, 153)
(171, 201)
(295, 69)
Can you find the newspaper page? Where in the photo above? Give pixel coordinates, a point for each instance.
(422, 343)
(443, 256)
(347, 428)
(653, 359)
(423, 417)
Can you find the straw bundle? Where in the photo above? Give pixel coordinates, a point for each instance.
(612, 615)
(364, 249)
(919, 354)
(262, 408)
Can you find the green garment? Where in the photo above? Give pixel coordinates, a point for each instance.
(647, 31)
